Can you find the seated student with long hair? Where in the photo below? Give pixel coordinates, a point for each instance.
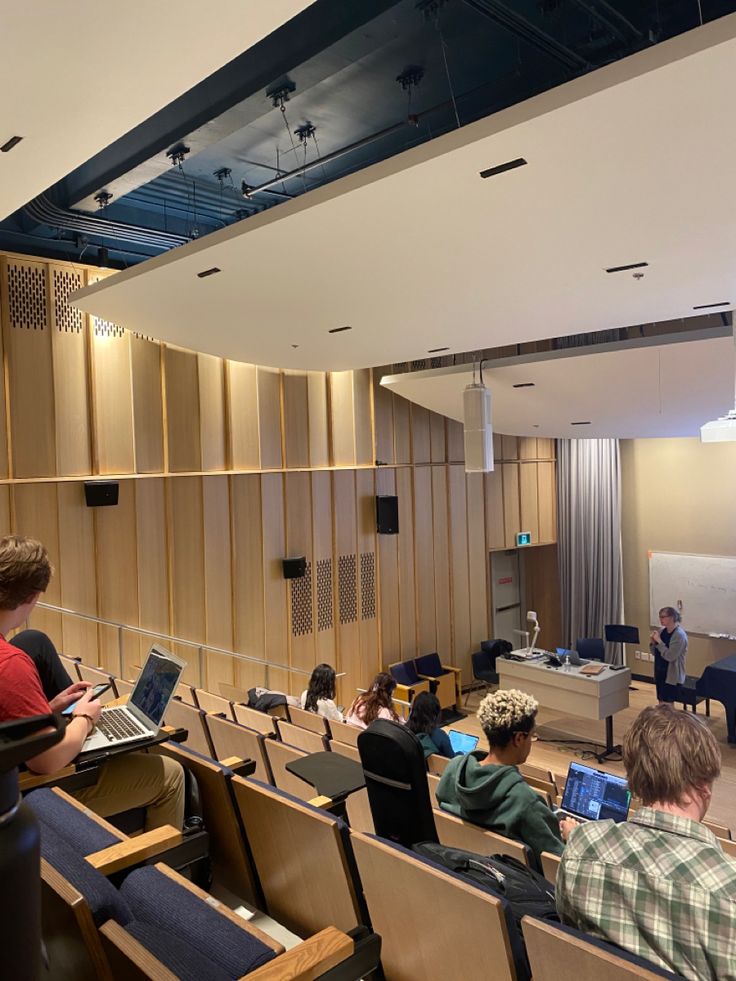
(376, 703)
(424, 720)
(488, 789)
(319, 697)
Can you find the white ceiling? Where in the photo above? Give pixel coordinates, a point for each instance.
(76, 75)
(633, 162)
(649, 389)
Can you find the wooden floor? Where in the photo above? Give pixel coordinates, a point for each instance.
(556, 756)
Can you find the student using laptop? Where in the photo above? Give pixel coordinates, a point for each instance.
(424, 721)
(127, 781)
(488, 789)
(658, 885)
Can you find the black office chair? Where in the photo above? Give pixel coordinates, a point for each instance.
(590, 648)
(687, 694)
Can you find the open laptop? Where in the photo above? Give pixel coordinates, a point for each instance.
(594, 795)
(572, 655)
(462, 742)
(147, 704)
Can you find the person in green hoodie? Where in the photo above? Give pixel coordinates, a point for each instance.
(488, 789)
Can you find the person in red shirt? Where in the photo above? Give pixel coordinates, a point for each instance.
(128, 781)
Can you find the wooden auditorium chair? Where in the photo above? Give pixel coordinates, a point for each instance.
(309, 720)
(444, 677)
(230, 739)
(304, 739)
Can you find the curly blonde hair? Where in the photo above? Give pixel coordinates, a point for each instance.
(506, 712)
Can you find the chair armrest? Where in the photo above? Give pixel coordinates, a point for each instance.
(240, 767)
(324, 802)
(309, 960)
(429, 677)
(29, 781)
(131, 851)
(451, 667)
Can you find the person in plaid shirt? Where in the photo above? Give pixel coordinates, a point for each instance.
(658, 885)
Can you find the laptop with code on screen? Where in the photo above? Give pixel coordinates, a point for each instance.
(594, 795)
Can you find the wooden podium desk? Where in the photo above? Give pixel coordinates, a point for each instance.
(570, 692)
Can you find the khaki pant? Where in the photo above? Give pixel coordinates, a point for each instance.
(138, 780)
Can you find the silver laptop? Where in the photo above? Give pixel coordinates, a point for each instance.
(594, 795)
(142, 716)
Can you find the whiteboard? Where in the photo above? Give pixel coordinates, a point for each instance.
(702, 587)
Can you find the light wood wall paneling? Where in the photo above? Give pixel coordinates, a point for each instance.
(269, 418)
(186, 569)
(296, 419)
(546, 449)
(407, 580)
(529, 500)
(527, 448)
(547, 489)
(275, 603)
(117, 580)
(511, 512)
(542, 586)
(324, 572)
(388, 576)
(6, 524)
(455, 442)
(148, 409)
(4, 450)
(437, 438)
(35, 511)
(497, 447)
(319, 434)
(300, 592)
(181, 385)
(420, 442)
(342, 424)
(76, 572)
(495, 531)
(478, 563)
(348, 599)
(152, 560)
(210, 371)
(442, 591)
(459, 563)
(424, 552)
(383, 418)
(218, 580)
(112, 397)
(248, 592)
(363, 416)
(242, 414)
(368, 600)
(402, 429)
(27, 344)
(510, 447)
(69, 346)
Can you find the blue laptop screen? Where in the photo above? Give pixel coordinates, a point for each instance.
(595, 795)
(462, 742)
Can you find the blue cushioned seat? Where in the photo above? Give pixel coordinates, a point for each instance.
(430, 665)
(405, 673)
(83, 833)
(157, 900)
(182, 959)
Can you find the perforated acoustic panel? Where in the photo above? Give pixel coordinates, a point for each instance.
(324, 594)
(367, 585)
(301, 603)
(27, 295)
(105, 328)
(63, 282)
(347, 588)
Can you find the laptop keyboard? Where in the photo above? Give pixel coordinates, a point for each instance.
(116, 724)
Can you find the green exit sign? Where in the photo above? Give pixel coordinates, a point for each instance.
(523, 538)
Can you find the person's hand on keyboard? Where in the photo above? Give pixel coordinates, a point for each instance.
(567, 825)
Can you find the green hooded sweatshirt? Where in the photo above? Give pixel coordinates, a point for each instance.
(499, 798)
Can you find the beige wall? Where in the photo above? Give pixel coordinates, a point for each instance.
(678, 495)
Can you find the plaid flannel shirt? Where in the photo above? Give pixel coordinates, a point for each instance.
(657, 885)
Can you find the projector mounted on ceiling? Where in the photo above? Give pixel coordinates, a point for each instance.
(723, 429)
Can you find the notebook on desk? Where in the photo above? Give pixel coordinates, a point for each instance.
(142, 716)
(593, 669)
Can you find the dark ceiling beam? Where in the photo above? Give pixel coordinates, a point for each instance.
(526, 31)
(612, 19)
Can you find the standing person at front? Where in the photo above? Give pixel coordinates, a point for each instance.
(669, 646)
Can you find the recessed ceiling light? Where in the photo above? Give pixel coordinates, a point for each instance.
(502, 168)
(524, 385)
(631, 265)
(436, 350)
(536, 425)
(208, 272)
(710, 306)
(295, 345)
(586, 423)
(13, 141)
(339, 330)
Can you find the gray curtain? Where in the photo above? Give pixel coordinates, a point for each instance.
(589, 536)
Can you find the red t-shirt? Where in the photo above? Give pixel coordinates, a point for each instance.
(21, 694)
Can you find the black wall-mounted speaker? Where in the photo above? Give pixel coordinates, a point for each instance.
(294, 568)
(387, 515)
(101, 493)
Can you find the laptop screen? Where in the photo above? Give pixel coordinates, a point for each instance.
(595, 795)
(156, 684)
(462, 742)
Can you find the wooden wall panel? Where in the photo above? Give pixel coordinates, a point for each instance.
(458, 512)
(274, 584)
(211, 377)
(242, 412)
(442, 592)
(342, 425)
(420, 443)
(76, 573)
(542, 586)
(527, 448)
(248, 598)
(319, 434)
(269, 418)
(296, 419)
(477, 560)
(383, 420)
(27, 345)
(495, 532)
(437, 439)
(148, 408)
(529, 500)
(347, 597)
(324, 568)
(35, 511)
(3, 411)
(388, 577)
(68, 328)
(424, 552)
(113, 399)
(497, 447)
(510, 447)
(153, 560)
(370, 661)
(181, 385)
(300, 599)
(511, 515)
(407, 580)
(547, 502)
(218, 586)
(455, 442)
(186, 570)
(546, 449)
(363, 416)
(6, 525)
(402, 430)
